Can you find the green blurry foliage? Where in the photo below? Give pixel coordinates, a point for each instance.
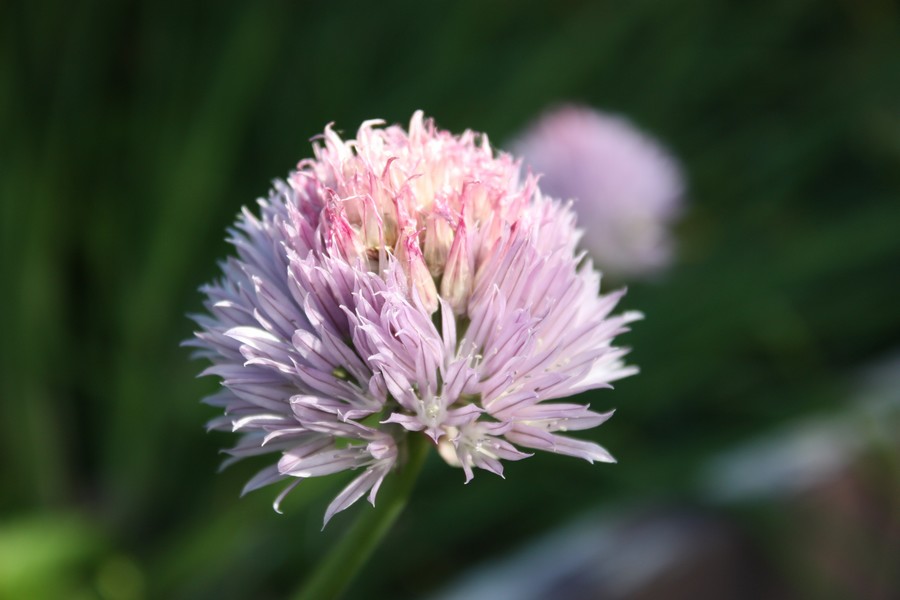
(45, 556)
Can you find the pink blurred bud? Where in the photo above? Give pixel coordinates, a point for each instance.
(627, 188)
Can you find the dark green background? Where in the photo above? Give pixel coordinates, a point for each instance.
(132, 133)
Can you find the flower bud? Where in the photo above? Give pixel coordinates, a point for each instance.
(438, 238)
(420, 280)
(456, 285)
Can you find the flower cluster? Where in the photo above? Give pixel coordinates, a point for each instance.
(406, 283)
(626, 186)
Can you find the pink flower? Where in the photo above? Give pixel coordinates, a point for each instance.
(406, 283)
(627, 188)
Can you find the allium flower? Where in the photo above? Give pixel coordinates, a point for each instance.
(627, 188)
(406, 284)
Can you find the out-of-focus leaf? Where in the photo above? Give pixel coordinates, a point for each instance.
(41, 555)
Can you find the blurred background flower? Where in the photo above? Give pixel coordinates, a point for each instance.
(132, 133)
(626, 188)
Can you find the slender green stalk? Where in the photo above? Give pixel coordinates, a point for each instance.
(338, 568)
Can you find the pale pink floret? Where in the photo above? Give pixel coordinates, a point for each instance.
(627, 188)
(406, 284)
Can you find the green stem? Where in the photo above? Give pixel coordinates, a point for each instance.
(337, 569)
